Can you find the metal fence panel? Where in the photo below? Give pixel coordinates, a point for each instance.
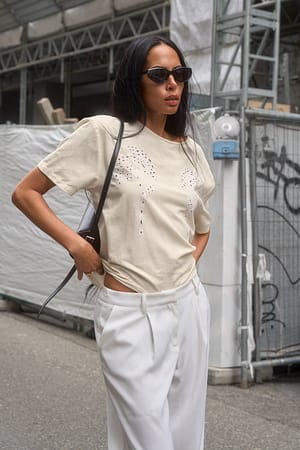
(277, 217)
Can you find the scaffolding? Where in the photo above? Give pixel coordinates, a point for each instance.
(257, 24)
(93, 47)
(245, 50)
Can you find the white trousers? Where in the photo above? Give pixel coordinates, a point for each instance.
(154, 358)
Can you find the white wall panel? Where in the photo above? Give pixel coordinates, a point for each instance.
(191, 29)
(87, 13)
(43, 27)
(32, 264)
(11, 38)
(126, 5)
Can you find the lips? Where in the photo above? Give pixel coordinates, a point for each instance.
(172, 100)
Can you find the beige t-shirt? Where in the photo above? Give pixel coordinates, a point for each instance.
(156, 200)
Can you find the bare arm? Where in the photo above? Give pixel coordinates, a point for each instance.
(200, 241)
(28, 197)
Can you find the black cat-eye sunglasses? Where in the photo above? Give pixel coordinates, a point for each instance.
(160, 74)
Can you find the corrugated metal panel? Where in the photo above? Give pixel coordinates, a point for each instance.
(15, 12)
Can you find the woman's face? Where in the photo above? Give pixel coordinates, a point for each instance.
(161, 99)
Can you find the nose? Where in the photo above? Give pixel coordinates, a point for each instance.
(171, 82)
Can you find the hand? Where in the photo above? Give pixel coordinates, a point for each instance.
(28, 197)
(86, 259)
(199, 241)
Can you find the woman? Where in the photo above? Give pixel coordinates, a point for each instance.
(152, 314)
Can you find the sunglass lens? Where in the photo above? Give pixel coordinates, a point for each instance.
(182, 74)
(158, 75)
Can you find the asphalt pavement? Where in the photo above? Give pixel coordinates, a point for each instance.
(52, 396)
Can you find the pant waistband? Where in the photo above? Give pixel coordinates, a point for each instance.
(133, 299)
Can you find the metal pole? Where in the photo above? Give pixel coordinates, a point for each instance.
(244, 255)
(276, 54)
(23, 95)
(242, 167)
(257, 282)
(286, 79)
(214, 68)
(273, 114)
(276, 362)
(67, 88)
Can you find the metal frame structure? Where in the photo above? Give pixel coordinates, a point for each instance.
(289, 120)
(256, 22)
(90, 47)
(100, 36)
(15, 13)
(254, 32)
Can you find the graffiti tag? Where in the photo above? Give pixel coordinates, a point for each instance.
(273, 170)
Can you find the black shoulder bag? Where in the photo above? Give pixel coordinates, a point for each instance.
(88, 227)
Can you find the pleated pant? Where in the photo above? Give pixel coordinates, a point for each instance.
(154, 357)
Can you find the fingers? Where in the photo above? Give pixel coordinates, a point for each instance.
(99, 270)
(88, 261)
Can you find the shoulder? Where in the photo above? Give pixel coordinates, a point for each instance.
(195, 150)
(110, 125)
(102, 124)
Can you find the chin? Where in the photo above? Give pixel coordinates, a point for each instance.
(172, 111)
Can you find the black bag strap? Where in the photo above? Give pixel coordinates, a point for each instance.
(109, 173)
(96, 217)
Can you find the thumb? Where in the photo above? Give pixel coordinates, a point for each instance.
(79, 274)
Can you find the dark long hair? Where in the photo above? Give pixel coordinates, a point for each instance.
(127, 102)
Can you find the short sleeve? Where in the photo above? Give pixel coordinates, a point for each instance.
(202, 218)
(80, 160)
(205, 190)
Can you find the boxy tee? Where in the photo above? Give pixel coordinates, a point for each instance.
(157, 200)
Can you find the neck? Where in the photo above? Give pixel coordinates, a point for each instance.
(157, 125)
